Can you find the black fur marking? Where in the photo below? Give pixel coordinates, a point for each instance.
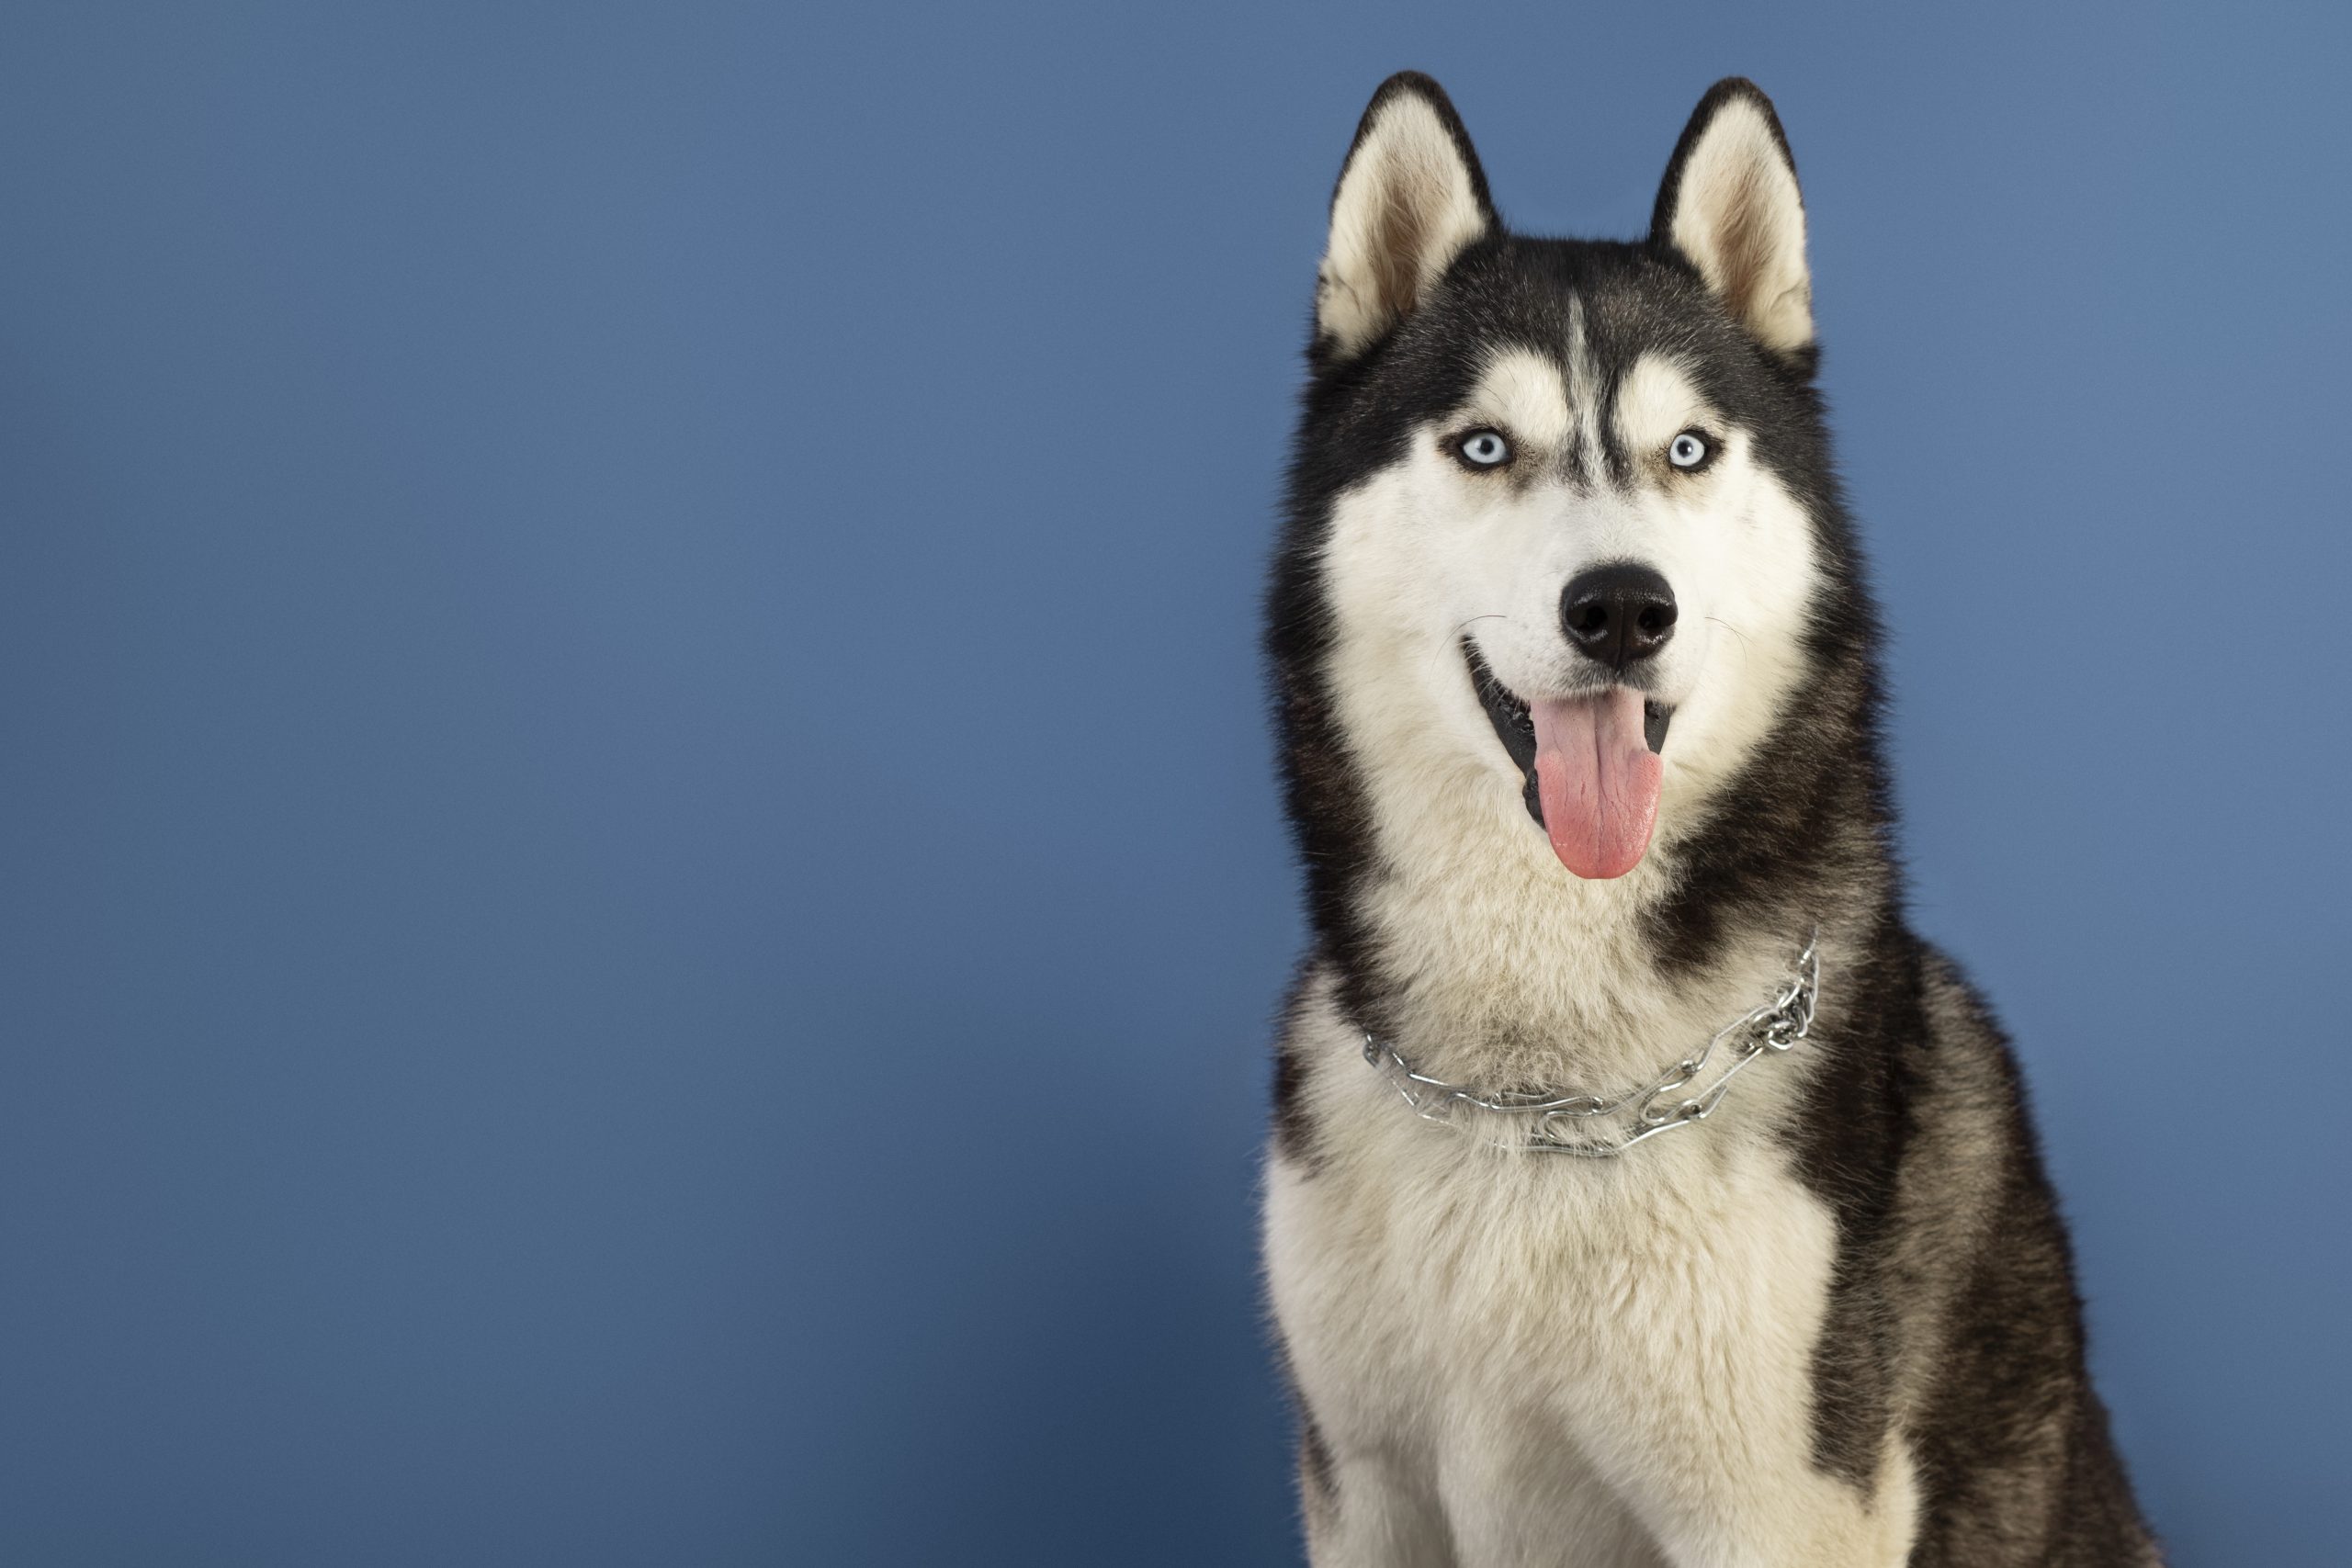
(1314, 1453)
(1849, 1139)
(2016, 1461)
(1317, 1471)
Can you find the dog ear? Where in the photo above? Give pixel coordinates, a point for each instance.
(1730, 205)
(1411, 198)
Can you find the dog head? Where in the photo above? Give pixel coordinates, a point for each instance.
(1559, 541)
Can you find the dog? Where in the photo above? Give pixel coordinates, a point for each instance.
(1640, 1189)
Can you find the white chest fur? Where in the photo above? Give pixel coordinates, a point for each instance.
(1520, 1359)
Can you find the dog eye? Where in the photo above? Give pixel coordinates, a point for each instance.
(1482, 449)
(1689, 451)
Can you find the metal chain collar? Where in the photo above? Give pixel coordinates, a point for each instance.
(1597, 1128)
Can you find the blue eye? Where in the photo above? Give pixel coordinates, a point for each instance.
(1688, 450)
(1482, 449)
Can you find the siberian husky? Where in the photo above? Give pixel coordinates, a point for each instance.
(1641, 1190)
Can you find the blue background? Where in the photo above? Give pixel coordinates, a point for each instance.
(641, 882)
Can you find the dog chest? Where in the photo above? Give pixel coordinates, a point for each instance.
(1643, 1311)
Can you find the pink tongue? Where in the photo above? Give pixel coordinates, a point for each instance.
(1597, 780)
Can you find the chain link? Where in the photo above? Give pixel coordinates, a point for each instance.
(1595, 1128)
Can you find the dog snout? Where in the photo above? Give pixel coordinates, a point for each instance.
(1620, 613)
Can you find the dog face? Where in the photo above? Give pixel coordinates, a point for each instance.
(1568, 489)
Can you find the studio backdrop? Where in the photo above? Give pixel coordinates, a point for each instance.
(641, 885)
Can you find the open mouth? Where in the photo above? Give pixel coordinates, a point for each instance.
(1591, 765)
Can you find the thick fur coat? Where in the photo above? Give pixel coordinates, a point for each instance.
(1835, 1322)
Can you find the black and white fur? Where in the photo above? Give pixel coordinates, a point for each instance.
(1836, 1323)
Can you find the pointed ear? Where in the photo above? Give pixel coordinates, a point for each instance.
(1730, 205)
(1411, 198)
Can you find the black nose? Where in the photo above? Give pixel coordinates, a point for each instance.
(1618, 613)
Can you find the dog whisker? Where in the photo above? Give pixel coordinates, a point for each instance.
(1746, 647)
